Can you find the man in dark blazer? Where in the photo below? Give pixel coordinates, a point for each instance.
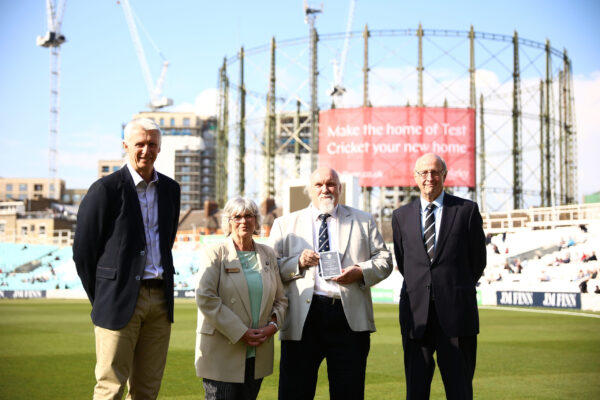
(126, 228)
(440, 252)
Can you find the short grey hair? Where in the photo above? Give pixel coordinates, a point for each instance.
(239, 206)
(145, 123)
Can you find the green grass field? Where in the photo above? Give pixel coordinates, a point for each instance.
(47, 352)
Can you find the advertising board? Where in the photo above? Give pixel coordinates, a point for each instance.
(381, 144)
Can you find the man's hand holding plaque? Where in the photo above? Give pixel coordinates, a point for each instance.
(329, 264)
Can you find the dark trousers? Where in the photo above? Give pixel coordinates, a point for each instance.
(456, 358)
(326, 334)
(217, 390)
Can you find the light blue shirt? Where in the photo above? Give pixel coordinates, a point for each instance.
(149, 206)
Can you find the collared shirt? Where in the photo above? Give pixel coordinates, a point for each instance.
(324, 287)
(149, 206)
(437, 213)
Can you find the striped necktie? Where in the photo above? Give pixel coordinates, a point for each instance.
(323, 235)
(429, 231)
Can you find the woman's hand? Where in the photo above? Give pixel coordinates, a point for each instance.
(256, 337)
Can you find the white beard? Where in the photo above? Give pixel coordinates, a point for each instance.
(326, 205)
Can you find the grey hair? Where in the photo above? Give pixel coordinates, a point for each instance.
(145, 123)
(239, 206)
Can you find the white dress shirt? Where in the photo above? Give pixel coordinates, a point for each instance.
(324, 287)
(149, 206)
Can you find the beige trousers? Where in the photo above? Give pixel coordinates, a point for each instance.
(135, 354)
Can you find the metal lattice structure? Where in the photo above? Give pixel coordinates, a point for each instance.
(521, 91)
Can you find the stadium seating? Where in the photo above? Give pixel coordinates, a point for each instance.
(537, 250)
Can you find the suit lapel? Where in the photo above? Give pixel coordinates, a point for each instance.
(232, 262)
(305, 227)
(344, 229)
(132, 198)
(163, 220)
(415, 225)
(448, 214)
(265, 274)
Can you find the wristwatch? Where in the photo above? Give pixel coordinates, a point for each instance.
(274, 324)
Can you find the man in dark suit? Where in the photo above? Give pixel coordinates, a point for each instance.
(439, 247)
(126, 228)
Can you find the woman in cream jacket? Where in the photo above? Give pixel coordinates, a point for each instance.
(241, 305)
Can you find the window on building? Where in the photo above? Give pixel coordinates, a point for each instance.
(9, 187)
(185, 178)
(66, 198)
(42, 229)
(9, 195)
(22, 187)
(38, 187)
(185, 197)
(116, 168)
(186, 122)
(2, 227)
(105, 168)
(23, 230)
(172, 121)
(162, 122)
(32, 228)
(22, 196)
(185, 188)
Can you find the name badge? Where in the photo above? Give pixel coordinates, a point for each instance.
(232, 270)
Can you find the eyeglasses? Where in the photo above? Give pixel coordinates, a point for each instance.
(239, 218)
(432, 173)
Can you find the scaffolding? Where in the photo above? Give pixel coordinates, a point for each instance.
(525, 131)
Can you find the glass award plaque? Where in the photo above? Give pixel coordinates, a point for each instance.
(330, 264)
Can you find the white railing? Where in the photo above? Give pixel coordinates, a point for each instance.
(59, 237)
(541, 217)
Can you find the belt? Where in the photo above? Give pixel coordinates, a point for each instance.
(152, 283)
(326, 300)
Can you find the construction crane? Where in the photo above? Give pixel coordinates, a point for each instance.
(157, 100)
(53, 39)
(338, 89)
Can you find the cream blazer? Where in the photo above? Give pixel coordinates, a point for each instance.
(360, 243)
(224, 312)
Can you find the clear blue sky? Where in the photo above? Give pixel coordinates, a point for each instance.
(102, 84)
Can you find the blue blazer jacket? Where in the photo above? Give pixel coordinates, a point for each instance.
(109, 248)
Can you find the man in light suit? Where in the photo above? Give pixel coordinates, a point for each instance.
(329, 319)
(126, 226)
(439, 247)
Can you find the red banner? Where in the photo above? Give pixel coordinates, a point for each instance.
(381, 145)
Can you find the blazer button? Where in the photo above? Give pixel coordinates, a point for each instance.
(137, 278)
(292, 274)
(142, 253)
(232, 301)
(308, 300)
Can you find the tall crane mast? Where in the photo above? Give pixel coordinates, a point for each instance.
(338, 89)
(157, 100)
(53, 39)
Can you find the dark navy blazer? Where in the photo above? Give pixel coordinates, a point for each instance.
(458, 263)
(110, 244)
